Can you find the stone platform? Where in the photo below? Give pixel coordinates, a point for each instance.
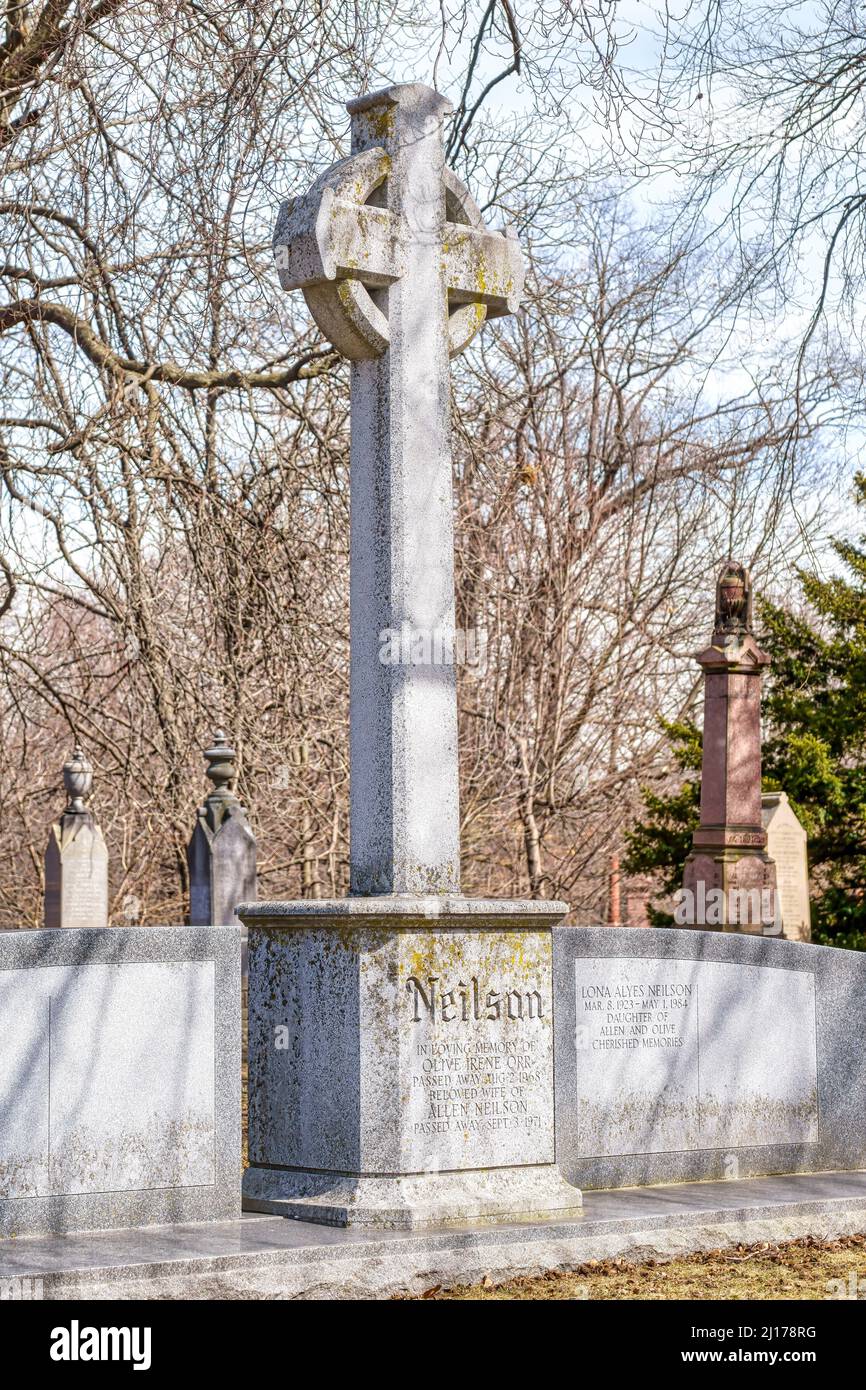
(271, 1257)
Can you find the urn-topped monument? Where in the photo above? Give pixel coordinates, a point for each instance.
(222, 850)
(76, 858)
(401, 1039)
(730, 881)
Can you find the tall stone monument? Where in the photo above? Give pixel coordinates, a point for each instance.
(787, 847)
(76, 859)
(222, 851)
(401, 1040)
(730, 880)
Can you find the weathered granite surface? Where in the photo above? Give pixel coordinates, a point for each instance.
(399, 273)
(119, 1077)
(689, 1055)
(401, 1061)
(265, 1257)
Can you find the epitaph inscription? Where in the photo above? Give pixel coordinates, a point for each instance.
(478, 1050)
(76, 878)
(84, 888)
(679, 1055)
(788, 848)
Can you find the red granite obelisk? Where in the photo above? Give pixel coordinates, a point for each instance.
(730, 880)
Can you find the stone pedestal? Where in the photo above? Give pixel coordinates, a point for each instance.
(76, 858)
(401, 1062)
(76, 873)
(729, 878)
(222, 866)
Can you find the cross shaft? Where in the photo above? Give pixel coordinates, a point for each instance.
(399, 273)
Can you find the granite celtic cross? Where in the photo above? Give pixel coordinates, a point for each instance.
(399, 274)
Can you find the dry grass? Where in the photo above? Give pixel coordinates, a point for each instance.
(791, 1270)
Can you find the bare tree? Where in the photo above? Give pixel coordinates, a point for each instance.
(597, 493)
(758, 110)
(173, 440)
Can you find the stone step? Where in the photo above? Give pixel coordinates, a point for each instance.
(270, 1257)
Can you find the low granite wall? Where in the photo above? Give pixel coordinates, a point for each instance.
(686, 1054)
(119, 1077)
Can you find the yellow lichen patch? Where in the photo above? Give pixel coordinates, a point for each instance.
(380, 121)
(444, 952)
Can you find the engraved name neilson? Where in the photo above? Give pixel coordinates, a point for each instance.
(463, 1002)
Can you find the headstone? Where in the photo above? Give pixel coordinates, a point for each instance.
(222, 851)
(691, 1055)
(730, 881)
(120, 1078)
(400, 1040)
(786, 846)
(76, 859)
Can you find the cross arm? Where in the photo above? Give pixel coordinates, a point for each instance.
(329, 234)
(483, 267)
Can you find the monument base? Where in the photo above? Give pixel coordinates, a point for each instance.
(729, 889)
(416, 1201)
(401, 1062)
(262, 1257)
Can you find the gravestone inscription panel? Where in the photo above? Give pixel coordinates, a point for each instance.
(693, 1055)
(119, 1077)
(109, 1072)
(455, 1068)
(402, 1075)
(688, 1055)
(477, 1051)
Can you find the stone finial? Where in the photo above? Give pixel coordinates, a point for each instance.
(734, 600)
(78, 780)
(222, 771)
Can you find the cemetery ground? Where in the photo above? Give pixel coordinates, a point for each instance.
(808, 1269)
